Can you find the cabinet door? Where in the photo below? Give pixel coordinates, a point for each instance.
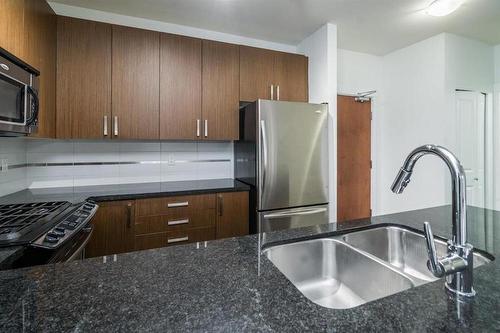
(83, 79)
(12, 27)
(291, 77)
(180, 87)
(232, 214)
(113, 229)
(135, 83)
(41, 41)
(220, 91)
(256, 73)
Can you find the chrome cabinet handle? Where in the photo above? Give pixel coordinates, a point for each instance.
(177, 240)
(105, 125)
(178, 204)
(198, 127)
(129, 215)
(115, 125)
(206, 128)
(176, 222)
(272, 91)
(278, 92)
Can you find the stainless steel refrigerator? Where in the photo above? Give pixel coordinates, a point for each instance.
(282, 154)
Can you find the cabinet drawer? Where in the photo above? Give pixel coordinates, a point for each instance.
(181, 204)
(175, 221)
(162, 239)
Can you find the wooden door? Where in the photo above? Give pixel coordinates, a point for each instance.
(180, 87)
(291, 74)
(354, 159)
(256, 73)
(113, 229)
(135, 83)
(220, 91)
(83, 79)
(232, 214)
(12, 27)
(41, 52)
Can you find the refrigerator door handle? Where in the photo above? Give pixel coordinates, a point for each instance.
(295, 213)
(264, 151)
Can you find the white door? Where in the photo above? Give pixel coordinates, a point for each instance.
(470, 113)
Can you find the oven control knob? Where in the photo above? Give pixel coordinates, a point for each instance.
(50, 239)
(56, 233)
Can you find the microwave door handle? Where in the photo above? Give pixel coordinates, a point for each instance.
(33, 108)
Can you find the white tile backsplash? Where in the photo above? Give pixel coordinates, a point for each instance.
(13, 157)
(161, 161)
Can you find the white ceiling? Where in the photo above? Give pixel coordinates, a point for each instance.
(371, 26)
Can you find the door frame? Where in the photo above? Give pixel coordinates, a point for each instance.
(489, 142)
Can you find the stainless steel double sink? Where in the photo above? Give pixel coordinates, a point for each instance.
(348, 270)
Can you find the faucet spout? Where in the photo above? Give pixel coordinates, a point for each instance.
(458, 185)
(457, 266)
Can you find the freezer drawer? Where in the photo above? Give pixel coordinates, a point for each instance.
(292, 218)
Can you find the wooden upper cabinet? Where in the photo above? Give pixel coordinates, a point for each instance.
(12, 27)
(180, 87)
(135, 83)
(83, 79)
(274, 75)
(256, 73)
(220, 91)
(291, 77)
(40, 51)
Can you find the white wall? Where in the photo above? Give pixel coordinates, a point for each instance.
(321, 48)
(414, 105)
(414, 95)
(137, 22)
(13, 157)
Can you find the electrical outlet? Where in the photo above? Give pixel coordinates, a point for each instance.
(171, 160)
(4, 165)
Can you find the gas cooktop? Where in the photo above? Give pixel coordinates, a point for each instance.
(42, 224)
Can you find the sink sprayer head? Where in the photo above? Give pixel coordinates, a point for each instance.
(401, 181)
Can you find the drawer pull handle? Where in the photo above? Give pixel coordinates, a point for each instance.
(177, 240)
(176, 222)
(178, 204)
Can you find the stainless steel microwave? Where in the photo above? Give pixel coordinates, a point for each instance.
(18, 97)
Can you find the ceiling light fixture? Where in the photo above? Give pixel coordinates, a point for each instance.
(443, 7)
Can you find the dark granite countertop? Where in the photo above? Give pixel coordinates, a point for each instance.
(226, 286)
(124, 191)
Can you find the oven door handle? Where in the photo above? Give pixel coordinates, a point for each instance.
(88, 229)
(32, 109)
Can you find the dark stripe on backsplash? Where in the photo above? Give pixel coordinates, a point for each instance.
(26, 165)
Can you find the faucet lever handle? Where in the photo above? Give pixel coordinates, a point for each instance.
(433, 263)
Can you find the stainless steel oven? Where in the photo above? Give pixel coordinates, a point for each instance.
(18, 97)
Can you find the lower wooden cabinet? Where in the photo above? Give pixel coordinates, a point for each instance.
(124, 226)
(232, 214)
(113, 229)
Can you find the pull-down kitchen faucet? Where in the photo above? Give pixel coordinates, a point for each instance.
(457, 265)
